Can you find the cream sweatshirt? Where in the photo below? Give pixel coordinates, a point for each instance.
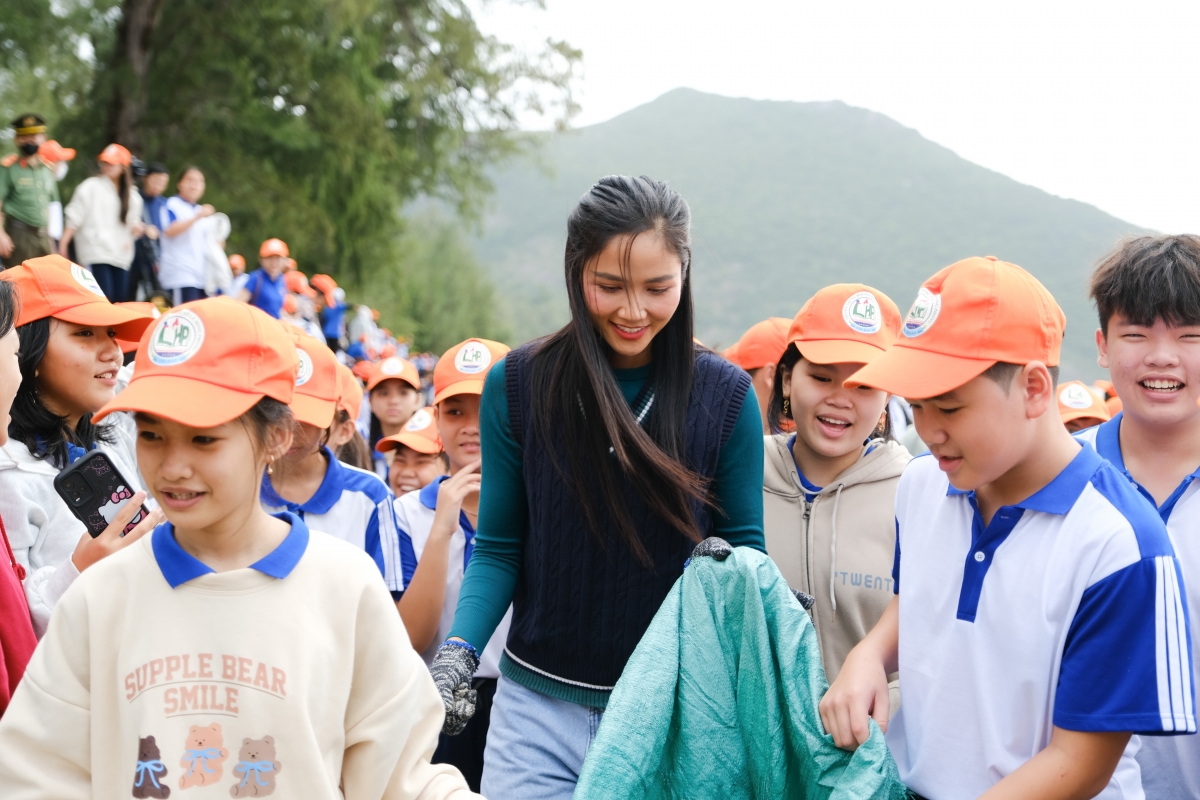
(95, 214)
(293, 677)
(41, 528)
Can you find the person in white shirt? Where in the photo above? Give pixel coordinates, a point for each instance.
(230, 651)
(182, 269)
(104, 218)
(69, 359)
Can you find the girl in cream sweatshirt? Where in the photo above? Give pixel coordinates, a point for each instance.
(229, 653)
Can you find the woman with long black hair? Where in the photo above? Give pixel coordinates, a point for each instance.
(613, 447)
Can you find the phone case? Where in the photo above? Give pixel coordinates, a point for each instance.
(95, 491)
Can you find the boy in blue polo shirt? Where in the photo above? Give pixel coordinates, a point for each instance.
(1040, 617)
(266, 288)
(1147, 293)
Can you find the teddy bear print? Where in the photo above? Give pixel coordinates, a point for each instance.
(256, 768)
(150, 779)
(203, 756)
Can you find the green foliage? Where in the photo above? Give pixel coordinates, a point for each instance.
(787, 198)
(314, 120)
(436, 293)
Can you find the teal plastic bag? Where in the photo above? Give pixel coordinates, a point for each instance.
(719, 700)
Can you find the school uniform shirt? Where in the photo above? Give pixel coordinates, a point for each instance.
(350, 504)
(1066, 610)
(1170, 765)
(266, 293)
(414, 519)
(41, 527)
(292, 676)
(333, 320)
(101, 237)
(181, 261)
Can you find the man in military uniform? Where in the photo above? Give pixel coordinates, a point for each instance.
(27, 188)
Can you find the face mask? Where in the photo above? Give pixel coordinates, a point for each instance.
(30, 148)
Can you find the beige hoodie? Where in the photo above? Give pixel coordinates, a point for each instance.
(840, 548)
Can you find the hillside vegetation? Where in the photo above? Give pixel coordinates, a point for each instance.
(786, 198)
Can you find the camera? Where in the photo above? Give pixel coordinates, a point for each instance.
(139, 168)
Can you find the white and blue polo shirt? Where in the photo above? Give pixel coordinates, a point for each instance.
(1170, 766)
(181, 262)
(1066, 610)
(179, 566)
(414, 519)
(350, 504)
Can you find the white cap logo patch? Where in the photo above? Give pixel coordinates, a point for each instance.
(176, 338)
(419, 421)
(86, 279)
(306, 368)
(472, 358)
(1075, 396)
(391, 366)
(861, 313)
(923, 314)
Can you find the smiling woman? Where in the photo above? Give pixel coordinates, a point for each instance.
(69, 358)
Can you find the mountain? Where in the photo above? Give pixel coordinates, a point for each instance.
(786, 198)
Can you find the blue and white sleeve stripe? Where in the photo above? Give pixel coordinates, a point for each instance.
(1172, 649)
(372, 541)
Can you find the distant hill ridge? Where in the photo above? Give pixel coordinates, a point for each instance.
(786, 198)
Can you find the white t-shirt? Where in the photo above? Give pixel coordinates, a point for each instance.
(414, 519)
(1066, 610)
(181, 262)
(1170, 764)
(95, 214)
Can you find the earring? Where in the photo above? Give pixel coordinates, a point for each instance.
(787, 407)
(271, 467)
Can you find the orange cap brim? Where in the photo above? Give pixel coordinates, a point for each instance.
(1082, 413)
(130, 325)
(378, 379)
(459, 387)
(412, 441)
(187, 401)
(837, 351)
(313, 410)
(918, 374)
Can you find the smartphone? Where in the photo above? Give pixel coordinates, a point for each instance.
(95, 491)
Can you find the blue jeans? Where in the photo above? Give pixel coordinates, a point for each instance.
(535, 745)
(114, 281)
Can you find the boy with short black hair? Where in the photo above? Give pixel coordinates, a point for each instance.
(1039, 619)
(1147, 293)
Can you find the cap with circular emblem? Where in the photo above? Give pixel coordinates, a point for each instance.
(464, 367)
(967, 317)
(1078, 401)
(51, 286)
(394, 368)
(115, 154)
(207, 362)
(317, 384)
(420, 433)
(846, 323)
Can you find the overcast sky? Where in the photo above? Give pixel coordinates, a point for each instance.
(1090, 100)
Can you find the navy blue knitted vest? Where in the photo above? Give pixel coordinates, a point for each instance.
(580, 608)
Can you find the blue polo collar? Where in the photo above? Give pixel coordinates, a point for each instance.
(326, 496)
(1060, 494)
(429, 494)
(179, 566)
(428, 497)
(1108, 445)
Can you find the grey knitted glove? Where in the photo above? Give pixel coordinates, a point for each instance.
(806, 600)
(452, 671)
(714, 547)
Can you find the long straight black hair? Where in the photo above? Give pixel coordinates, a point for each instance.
(38, 428)
(575, 394)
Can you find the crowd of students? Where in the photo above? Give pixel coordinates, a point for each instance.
(325, 597)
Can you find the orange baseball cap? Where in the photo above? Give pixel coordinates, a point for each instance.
(207, 362)
(394, 367)
(289, 304)
(463, 368)
(1076, 401)
(350, 391)
(115, 154)
(236, 261)
(420, 433)
(966, 318)
(273, 247)
(51, 286)
(54, 152)
(326, 286)
(362, 370)
(317, 383)
(763, 344)
(297, 282)
(846, 323)
(147, 308)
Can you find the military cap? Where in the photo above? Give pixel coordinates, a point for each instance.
(29, 124)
